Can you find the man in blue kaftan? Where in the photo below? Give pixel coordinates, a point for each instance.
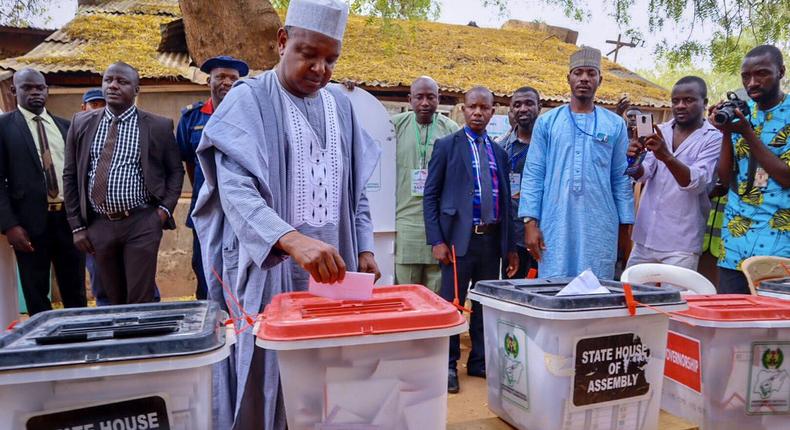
(574, 193)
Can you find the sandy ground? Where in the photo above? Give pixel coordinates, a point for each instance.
(468, 410)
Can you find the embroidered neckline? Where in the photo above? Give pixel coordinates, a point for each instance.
(315, 173)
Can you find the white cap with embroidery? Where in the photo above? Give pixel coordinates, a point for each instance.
(327, 17)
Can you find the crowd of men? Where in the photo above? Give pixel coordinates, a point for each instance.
(279, 164)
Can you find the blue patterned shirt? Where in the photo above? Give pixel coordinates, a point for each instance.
(758, 222)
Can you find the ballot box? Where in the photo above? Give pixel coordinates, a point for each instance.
(779, 288)
(144, 366)
(352, 365)
(728, 363)
(579, 361)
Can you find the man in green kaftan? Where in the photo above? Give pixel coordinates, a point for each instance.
(416, 132)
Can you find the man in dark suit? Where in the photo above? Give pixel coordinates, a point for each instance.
(467, 206)
(31, 196)
(122, 180)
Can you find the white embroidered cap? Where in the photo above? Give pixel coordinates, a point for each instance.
(327, 17)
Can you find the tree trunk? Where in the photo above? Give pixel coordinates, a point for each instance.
(245, 29)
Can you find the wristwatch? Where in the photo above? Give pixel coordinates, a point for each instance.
(527, 220)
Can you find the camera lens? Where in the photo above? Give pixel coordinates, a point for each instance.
(720, 118)
(724, 115)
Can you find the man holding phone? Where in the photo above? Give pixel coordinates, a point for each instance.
(677, 170)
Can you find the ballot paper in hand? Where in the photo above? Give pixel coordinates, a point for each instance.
(586, 283)
(355, 286)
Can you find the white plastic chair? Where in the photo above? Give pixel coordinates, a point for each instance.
(763, 268)
(689, 281)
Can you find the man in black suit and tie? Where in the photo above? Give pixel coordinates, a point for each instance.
(32, 215)
(467, 206)
(122, 181)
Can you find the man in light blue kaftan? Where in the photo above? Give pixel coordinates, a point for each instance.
(574, 194)
(285, 164)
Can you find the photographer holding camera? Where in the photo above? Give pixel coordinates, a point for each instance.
(755, 163)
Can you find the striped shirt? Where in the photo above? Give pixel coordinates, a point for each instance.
(476, 207)
(125, 185)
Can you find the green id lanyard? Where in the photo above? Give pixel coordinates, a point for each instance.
(422, 148)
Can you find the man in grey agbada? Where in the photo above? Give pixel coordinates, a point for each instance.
(285, 164)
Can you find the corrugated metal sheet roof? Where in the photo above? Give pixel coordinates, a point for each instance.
(50, 50)
(58, 36)
(148, 7)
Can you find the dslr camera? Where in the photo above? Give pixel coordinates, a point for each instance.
(726, 113)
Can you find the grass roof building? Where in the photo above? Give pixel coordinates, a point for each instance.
(382, 59)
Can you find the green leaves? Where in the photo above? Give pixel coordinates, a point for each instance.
(18, 13)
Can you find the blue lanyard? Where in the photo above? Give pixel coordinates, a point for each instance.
(514, 159)
(595, 123)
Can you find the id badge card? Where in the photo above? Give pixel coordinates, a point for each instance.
(760, 178)
(515, 184)
(418, 177)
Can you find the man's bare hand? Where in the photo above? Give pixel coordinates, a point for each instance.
(634, 148)
(622, 105)
(367, 264)
(442, 253)
(533, 238)
(658, 145)
(321, 260)
(350, 85)
(82, 242)
(18, 238)
(512, 263)
(163, 216)
(742, 126)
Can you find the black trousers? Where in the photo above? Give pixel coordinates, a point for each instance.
(481, 263)
(56, 247)
(201, 290)
(126, 254)
(525, 262)
(732, 282)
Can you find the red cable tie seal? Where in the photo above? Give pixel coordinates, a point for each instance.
(629, 299)
(245, 321)
(632, 304)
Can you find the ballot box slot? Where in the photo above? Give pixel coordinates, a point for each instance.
(354, 307)
(119, 328)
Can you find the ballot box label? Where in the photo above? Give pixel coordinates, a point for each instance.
(769, 379)
(513, 364)
(146, 413)
(609, 368)
(683, 361)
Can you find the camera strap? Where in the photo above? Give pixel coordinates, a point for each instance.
(750, 172)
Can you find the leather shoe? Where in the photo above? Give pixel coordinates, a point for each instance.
(478, 372)
(452, 381)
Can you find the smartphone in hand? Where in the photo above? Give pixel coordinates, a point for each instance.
(644, 125)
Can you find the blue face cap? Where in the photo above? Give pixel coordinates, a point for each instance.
(225, 61)
(92, 95)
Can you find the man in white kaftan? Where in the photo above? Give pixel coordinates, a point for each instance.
(286, 163)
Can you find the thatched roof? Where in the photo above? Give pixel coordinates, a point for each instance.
(457, 56)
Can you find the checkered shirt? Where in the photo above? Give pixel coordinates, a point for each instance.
(125, 186)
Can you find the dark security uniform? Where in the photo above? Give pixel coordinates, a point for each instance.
(190, 129)
(517, 156)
